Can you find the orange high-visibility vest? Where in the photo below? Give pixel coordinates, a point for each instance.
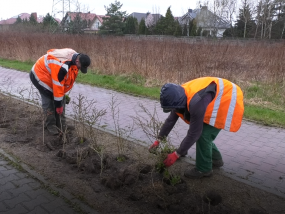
(46, 71)
(226, 109)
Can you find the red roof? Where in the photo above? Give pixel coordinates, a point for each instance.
(85, 16)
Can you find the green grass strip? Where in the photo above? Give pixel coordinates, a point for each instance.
(14, 64)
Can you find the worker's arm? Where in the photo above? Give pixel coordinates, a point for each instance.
(197, 113)
(168, 125)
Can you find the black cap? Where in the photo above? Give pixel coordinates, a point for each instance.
(85, 62)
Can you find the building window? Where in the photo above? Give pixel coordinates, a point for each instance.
(97, 25)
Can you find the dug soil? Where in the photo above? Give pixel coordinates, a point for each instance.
(116, 176)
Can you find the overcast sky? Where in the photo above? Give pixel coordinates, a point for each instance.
(10, 8)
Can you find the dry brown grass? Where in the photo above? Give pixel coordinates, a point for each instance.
(166, 60)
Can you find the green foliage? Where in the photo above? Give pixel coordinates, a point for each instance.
(67, 99)
(131, 25)
(199, 31)
(113, 24)
(142, 28)
(170, 178)
(32, 20)
(245, 22)
(160, 167)
(48, 20)
(168, 25)
(229, 32)
(121, 158)
(193, 28)
(77, 25)
(18, 20)
(49, 23)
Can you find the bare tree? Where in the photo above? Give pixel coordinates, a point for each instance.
(265, 16)
(223, 13)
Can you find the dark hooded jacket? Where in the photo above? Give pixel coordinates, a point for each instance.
(173, 98)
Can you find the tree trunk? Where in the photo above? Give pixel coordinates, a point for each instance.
(269, 30)
(256, 30)
(282, 33)
(244, 30)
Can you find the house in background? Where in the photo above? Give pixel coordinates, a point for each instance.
(4, 24)
(93, 21)
(145, 16)
(206, 20)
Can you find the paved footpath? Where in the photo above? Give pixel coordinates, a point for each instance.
(254, 155)
(23, 191)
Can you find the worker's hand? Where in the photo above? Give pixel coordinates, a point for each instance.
(153, 147)
(59, 110)
(171, 158)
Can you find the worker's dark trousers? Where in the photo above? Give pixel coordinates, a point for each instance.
(52, 118)
(206, 150)
(53, 121)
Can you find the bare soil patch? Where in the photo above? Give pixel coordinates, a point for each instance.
(129, 184)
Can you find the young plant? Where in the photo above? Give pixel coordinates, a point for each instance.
(100, 150)
(170, 178)
(121, 133)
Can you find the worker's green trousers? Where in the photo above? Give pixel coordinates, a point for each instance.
(206, 150)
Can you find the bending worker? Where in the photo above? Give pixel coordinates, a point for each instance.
(54, 75)
(207, 104)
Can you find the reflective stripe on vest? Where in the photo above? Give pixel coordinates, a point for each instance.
(52, 61)
(231, 107)
(217, 103)
(226, 109)
(58, 98)
(40, 82)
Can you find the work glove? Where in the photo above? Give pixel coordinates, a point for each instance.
(59, 110)
(153, 147)
(171, 158)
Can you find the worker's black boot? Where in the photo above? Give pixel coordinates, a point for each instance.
(51, 123)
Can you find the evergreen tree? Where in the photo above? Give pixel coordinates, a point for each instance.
(199, 31)
(178, 29)
(49, 20)
(32, 20)
(160, 26)
(50, 23)
(169, 23)
(230, 32)
(113, 23)
(278, 25)
(142, 28)
(77, 25)
(244, 23)
(18, 20)
(131, 25)
(193, 28)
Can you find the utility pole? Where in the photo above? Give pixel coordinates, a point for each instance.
(60, 6)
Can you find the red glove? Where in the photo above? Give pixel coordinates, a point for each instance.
(171, 158)
(59, 110)
(153, 147)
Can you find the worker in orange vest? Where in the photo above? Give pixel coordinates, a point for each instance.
(54, 75)
(207, 104)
